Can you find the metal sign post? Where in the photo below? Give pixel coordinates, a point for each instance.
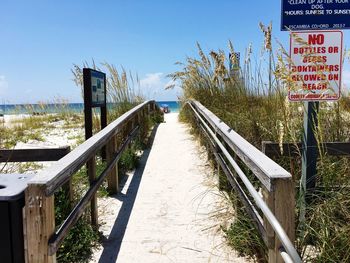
(309, 157)
(316, 76)
(316, 67)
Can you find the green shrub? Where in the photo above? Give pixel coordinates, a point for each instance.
(244, 237)
(80, 240)
(253, 101)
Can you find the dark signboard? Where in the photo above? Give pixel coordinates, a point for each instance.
(315, 14)
(95, 87)
(94, 96)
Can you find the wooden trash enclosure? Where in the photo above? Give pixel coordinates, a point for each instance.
(42, 241)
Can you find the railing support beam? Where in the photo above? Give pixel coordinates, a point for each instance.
(39, 224)
(113, 181)
(91, 170)
(282, 202)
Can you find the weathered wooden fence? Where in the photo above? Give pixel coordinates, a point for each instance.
(277, 205)
(42, 239)
(273, 149)
(33, 155)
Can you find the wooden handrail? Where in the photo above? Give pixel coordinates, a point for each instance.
(78, 210)
(42, 241)
(33, 155)
(56, 175)
(250, 209)
(272, 149)
(263, 167)
(277, 205)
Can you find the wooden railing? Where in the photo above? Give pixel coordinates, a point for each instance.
(275, 223)
(33, 155)
(42, 241)
(273, 149)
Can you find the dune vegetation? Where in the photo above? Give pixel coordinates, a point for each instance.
(36, 125)
(253, 101)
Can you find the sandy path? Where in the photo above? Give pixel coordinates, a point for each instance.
(165, 211)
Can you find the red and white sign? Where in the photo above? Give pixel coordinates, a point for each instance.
(316, 65)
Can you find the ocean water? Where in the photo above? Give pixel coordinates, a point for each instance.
(40, 108)
(174, 106)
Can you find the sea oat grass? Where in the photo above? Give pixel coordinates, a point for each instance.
(253, 101)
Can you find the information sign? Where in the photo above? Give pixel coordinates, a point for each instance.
(316, 65)
(98, 91)
(315, 14)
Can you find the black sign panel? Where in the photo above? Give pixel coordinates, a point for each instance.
(315, 14)
(94, 96)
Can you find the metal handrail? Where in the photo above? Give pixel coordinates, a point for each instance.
(262, 166)
(281, 234)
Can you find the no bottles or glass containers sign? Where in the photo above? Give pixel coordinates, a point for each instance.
(315, 14)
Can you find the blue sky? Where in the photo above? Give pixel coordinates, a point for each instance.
(40, 40)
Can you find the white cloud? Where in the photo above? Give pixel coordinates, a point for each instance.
(151, 80)
(3, 85)
(153, 86)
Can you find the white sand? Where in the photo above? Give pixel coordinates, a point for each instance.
(55, 136)
(168, 209)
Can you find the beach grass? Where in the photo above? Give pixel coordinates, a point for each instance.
(38, 121)
(253, 101)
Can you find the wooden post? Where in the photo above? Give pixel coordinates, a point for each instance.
(269, 198)
(104, 125)
(113, 184)
(68, 191)
(282, 203)
(138, 123)
(149, 110)
(91, 170)
(39, 224)
(133, 122)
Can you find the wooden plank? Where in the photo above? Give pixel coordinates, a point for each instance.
(60, 172)
(282, 201)
(269, 199)
(103, 125)
(40, 224)
(284, 207)
(33, 155)
(57, 238)
(262, 166)
(272, 149)
(112, 179)
(68, 190)
(91, 171)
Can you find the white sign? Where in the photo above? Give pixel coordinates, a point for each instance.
(316, 65)
(98, 88)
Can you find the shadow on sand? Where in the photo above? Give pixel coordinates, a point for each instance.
(111, 246)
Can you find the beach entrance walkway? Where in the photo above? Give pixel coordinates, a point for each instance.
(168, 210)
